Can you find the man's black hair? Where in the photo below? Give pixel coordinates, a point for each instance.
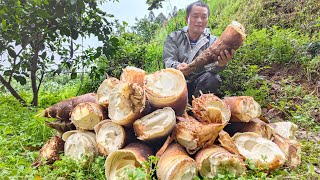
(197, 3)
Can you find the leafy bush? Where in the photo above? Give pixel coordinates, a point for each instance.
(312, 68)
(274, 45)
(299, 15)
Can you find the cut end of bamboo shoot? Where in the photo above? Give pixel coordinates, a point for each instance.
(175, 163)
(167, 88)
(86, 115)
(80, 146)
(285, 129)
(119, 162)
(264, 153)
(215, 160)
(155, 125)
(126, 103)
(243, 108)
(209, 108)
(133, 75)
(109, 136)
(104, 90)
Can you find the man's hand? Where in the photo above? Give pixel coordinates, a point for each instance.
(225, 57)
(184, 68)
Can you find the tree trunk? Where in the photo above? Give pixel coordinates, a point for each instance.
(34, 63)
(12, 91)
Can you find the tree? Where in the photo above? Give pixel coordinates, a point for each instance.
(146, 27)
(154, 4)
(161, 18)
(32, 31)
(151, 16)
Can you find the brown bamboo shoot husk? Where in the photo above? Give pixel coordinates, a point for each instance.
(127, 103)
(86, 115)
(214, 160)
(109, 136)
(194, 135)
(133, 75)
(176, 164)
(292, 150)
(231, 38)
(50, 151)
(103, 93)
(227, 142)
(61, 125)
(209, 108)
(243, 108)
(254, 125)
(119, 162)
(165, 145)
(62, 110)
(167, 88)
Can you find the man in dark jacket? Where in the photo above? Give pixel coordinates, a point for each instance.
(183, 46)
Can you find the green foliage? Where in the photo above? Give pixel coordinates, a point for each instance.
(20, 133)
(147, 26)
(23, 134)
(300, 15)
(146, 171)
(131, 53)
(33, 32)
(312, 67)
(68, 168)
(275, 45)
(222, 13)
(298, 107)
(153, 58)
(154, 4)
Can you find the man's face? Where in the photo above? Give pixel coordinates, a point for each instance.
(197, 20)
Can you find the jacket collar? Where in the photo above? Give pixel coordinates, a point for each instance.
(206, 31)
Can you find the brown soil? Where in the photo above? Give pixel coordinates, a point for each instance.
(296, 76)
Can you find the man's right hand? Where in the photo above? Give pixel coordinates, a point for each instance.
(225, 57)
(184, 68)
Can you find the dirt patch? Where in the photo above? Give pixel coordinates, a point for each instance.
(294, 74)
(303, 134)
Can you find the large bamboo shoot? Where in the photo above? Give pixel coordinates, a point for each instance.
(231, 38)
(175, 164)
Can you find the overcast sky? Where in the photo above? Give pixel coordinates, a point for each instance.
(129, 10)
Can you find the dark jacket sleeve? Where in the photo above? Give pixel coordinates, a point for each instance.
(170, 53)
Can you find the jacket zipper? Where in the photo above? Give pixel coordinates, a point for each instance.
(186, 34)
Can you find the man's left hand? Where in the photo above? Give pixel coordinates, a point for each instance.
(225, 57)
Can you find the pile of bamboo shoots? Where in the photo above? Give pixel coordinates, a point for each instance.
(127, 122)
(141, 115)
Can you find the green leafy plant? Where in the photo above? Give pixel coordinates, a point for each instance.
(146, 171)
